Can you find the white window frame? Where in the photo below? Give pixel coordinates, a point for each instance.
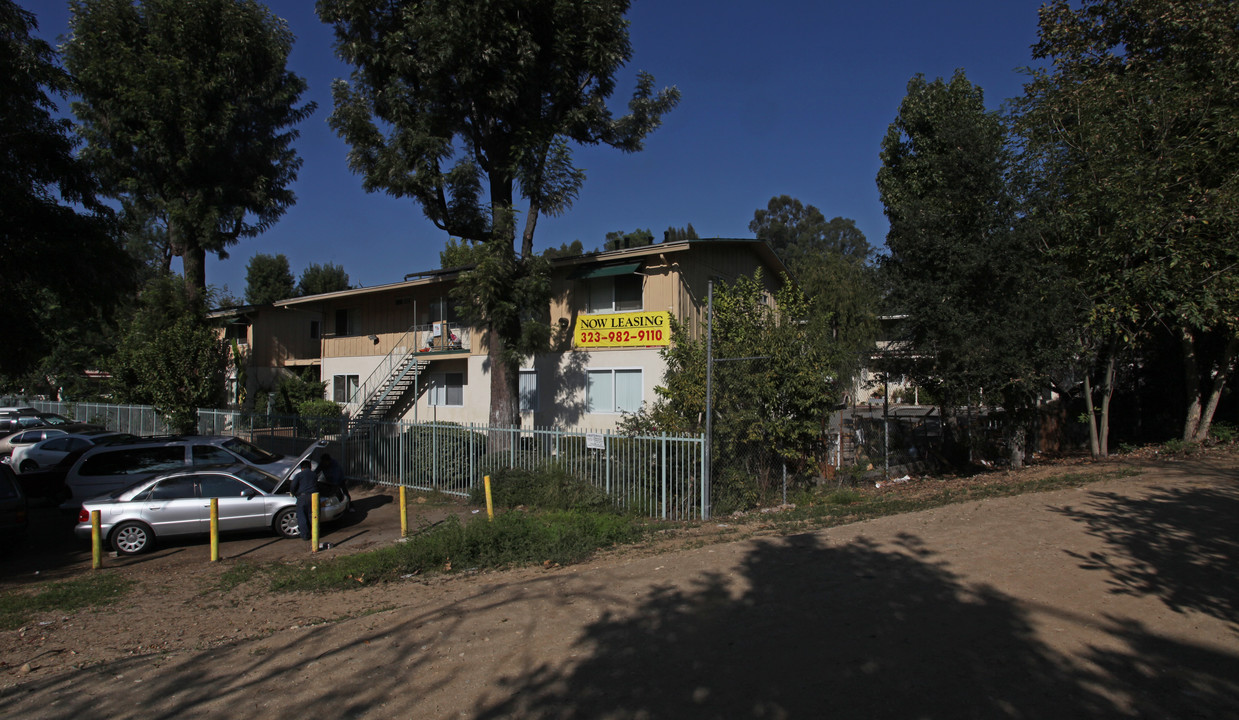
(440, 391)
(528, 390)
(593, 284)
(344, 386)
(614, 406)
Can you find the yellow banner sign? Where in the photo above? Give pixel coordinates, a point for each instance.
(641, 329)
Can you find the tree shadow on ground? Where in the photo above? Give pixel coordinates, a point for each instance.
(1178, 544)
(852, 631)
(797, 629)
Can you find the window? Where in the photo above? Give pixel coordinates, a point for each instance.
(346, 323)
(344, 388)
(447, 389)
(177, 488)
(443, 309)
(621, 293)
(222, 486)
(237, 331)
(60, 444)
(529, 391)
(137, 460)
(313, 329)
(211, 455)
(613, 391)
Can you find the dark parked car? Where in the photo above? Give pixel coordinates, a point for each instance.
(13, 509)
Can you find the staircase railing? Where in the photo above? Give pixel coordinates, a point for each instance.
(416, 339)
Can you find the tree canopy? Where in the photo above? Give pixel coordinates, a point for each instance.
(464, 107)
(1130, 140)
(620, 240)
(675, 234)
(830, 261)
(773, 393)
(188, 111)
(64, 266)
(317, 279)
(169, 355)
(795, 232)
(965, 286)
(267, 279)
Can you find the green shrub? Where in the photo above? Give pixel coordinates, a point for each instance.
(1178, 446)
(733, 490)
(1223, 432)
(550, 487)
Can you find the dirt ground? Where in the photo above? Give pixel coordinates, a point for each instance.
(1117, 599)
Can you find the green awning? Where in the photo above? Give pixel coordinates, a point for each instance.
(591, 272)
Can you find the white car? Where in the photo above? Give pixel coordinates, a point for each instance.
(51, 450)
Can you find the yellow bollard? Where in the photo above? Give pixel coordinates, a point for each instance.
(214, 529)
(96, 541)
(404, 513)
(314, 523)
(490, 508)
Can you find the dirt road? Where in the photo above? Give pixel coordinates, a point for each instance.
(1119, 599)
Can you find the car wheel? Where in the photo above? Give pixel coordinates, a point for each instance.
(286, 523)
(131, 538)
(28, 466)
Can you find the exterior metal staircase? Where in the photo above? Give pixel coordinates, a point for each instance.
(387, 391)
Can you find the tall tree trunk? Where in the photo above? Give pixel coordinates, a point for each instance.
(1191, 384)
(1017, 439)
(193, 261)
(1094, 445)
(1221, 374)
(1107, 393)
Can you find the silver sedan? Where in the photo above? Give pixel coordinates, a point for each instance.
(178, 503)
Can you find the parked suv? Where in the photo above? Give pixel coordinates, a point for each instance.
(105, 468)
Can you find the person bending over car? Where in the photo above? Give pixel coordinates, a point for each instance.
(333, 475)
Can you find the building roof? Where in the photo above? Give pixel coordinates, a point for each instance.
(596, 264)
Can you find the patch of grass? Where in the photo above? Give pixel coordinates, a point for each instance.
(17, 607)
(513, 539)
(238, 574)
(832, 511)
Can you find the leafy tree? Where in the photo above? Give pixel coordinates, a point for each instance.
(188, 110)
(63, 263)
(1131, 146)
(169, 355)
(773, 394)
(674, 234)
(830, 261)
(564, 250)
(317, 279)
(290, 394)
(458, 254)
(795, 231)
(620, 240)
(463, 106)
(267, 279)
(974, 325)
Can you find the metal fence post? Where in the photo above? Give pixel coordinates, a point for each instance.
(663, 452)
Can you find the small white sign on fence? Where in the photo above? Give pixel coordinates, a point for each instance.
(594, 441)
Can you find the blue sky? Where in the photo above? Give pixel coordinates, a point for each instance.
(778, 97)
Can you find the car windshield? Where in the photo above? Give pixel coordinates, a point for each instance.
(258, 479)
(54, 419)
(252, 453)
